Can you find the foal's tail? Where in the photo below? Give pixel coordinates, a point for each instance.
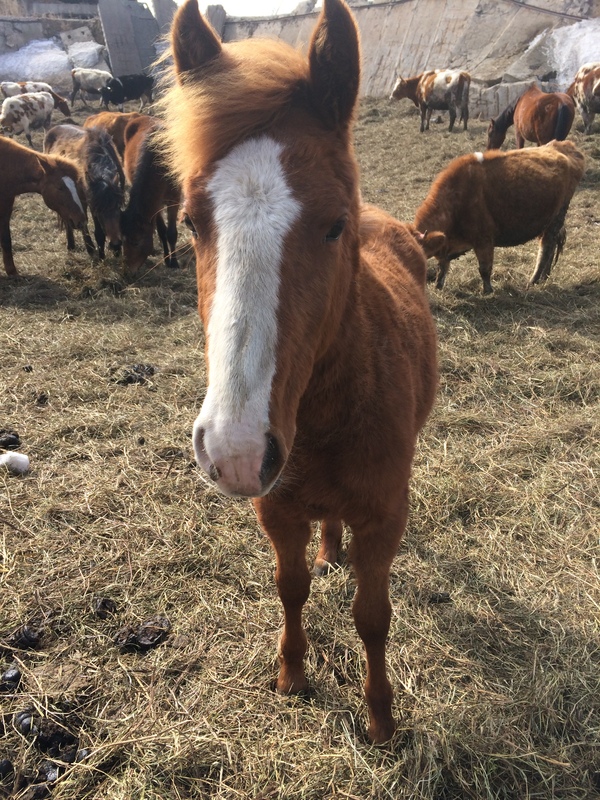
(564, 120)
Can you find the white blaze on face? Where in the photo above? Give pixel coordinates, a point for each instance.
(253, 210)
(479, 157)
(70, 184)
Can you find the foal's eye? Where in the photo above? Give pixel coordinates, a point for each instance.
(336, 230)
(189, 224)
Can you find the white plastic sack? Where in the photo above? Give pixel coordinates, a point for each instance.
(87, 54)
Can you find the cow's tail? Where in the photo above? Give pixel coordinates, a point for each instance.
(560, 244)
(563, 122)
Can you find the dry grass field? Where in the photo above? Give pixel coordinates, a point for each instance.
(494, 650)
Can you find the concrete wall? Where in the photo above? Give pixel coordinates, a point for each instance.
(16, 32)
(407, 36)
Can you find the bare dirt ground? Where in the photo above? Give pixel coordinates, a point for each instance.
(494, 650)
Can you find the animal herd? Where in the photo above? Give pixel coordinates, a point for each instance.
(538, 117)
(320, 343)
(110, 150)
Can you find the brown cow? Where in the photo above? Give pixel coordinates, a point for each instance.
(438, 89)
(500, 199)
(114, 123)
(58, 181)
(585, 91)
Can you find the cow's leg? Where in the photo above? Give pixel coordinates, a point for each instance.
(70, 236)
(99, 236)
(5, 237)
(161, 230)
(590, 121)
(372, 551)
(289, 537)
(89, 244)
(465, 116)
(452, 115)
(552, 242)
(423, 113)
(28, 137)
(331, 537)
(485, 258)
(428, 118)
(172, 212)
(442, 271)
(519, 139)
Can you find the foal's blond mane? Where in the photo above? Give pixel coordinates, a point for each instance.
(243, 91)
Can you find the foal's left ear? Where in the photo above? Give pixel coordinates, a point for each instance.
(193, 41)
(334, 59)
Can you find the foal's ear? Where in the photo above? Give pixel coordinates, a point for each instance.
(334, 59)
(193, 41)
(45, 165)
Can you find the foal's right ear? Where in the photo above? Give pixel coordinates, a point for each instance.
(334, 60)
(193, 41)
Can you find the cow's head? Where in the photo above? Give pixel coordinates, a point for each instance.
(432, 242)
(62, 105)
(399, 90)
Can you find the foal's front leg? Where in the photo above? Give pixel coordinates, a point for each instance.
(372, 551)
(289, 538)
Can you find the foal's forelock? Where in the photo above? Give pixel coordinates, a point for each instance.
(254, 210)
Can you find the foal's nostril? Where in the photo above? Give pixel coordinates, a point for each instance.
(272, 461)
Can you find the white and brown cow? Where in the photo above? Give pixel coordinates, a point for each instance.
(26, 112)
(90, 81)
(585, 91)
(12, 89)
(439, 90)
(500, 199)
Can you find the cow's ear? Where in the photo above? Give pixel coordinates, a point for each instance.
(334, 59)
(432, 242)
(193, 42)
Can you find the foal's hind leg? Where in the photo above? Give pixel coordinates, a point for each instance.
(289, 538)
(372, 551)
(331, 537)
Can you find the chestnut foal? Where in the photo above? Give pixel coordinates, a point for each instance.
(320, 344)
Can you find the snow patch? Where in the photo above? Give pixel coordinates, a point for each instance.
(572, 46)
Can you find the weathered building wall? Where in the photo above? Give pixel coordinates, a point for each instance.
(404, 37)
(16, 32)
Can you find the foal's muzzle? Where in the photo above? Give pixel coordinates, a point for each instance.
(239, 469)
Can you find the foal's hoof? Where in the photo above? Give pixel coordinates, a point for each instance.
(322, 568)
(381, 732)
